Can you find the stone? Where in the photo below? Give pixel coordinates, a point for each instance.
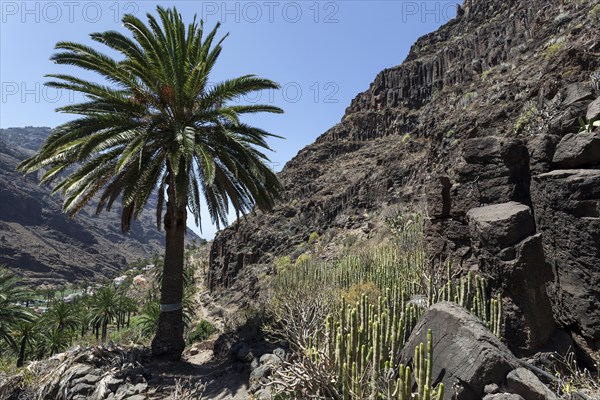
(541, 151)
(466, 354)
(501, 225)
(491, 388)
(523, 382)
(438, 197)
(82, 389)
(90, 379)
(593, 110)
(242, 352)
(137, 397)
(567, 204)
(259, 375)
(577, 150)
(511, 255)
(577, 92)
(105, 386)
(279, 352)
(271, 359)
(503, 396)
(80, 370)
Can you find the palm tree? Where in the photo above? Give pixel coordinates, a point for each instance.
(148, 320)
(160, 127)
(62, 316)
(104, 308)
(11, 310)
(25, 333)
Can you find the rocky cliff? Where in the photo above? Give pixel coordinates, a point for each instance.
(472, 117)
(39, 241)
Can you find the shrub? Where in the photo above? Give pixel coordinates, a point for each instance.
(594, 14)
(356, 291)
(314, 236)
(302, 259)
(283, 263)
(201, 332)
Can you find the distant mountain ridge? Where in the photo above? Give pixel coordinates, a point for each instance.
(40, 242)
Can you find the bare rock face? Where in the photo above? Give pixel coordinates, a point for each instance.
(466, 356)
(578, 150)
(567, 212)
(511, 254)
(491, 170)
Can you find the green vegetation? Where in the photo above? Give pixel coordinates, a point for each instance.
(38, 324)
(159, 125)
(594, 14)
(586, 125)
(347, 320)
(283, 263)
(30, 335)
(203, 330)
(553, 49)
(528, 117)
(12, 313)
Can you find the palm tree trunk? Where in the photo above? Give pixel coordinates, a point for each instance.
(168, 342)
(21, 359)
(104, 330)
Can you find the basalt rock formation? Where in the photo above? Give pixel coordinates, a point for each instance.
(39, 241)
(511, 254)
(483, 111)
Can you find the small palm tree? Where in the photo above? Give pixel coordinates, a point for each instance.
(160, 127)
(52, 341)
(12, 312)
(148, 320)
(104, 307)
(25, 334)
(62, 316)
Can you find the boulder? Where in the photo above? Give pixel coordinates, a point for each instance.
(501, 225)
(541, 151)
(577, 150)
(576, 92)
(511, 254)
(523, 382)
(593, 110)
(567, 213)
(466, 355)
(503, 396)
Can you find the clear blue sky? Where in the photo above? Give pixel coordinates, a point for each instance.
(323, 53)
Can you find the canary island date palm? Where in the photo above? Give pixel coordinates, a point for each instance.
(155, 123)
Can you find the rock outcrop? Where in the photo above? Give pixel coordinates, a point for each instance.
(469, 359)
(511, 254)
(473, 117)
(567, 212)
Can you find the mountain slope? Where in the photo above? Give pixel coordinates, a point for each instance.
(40, 242)
(520, 70)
